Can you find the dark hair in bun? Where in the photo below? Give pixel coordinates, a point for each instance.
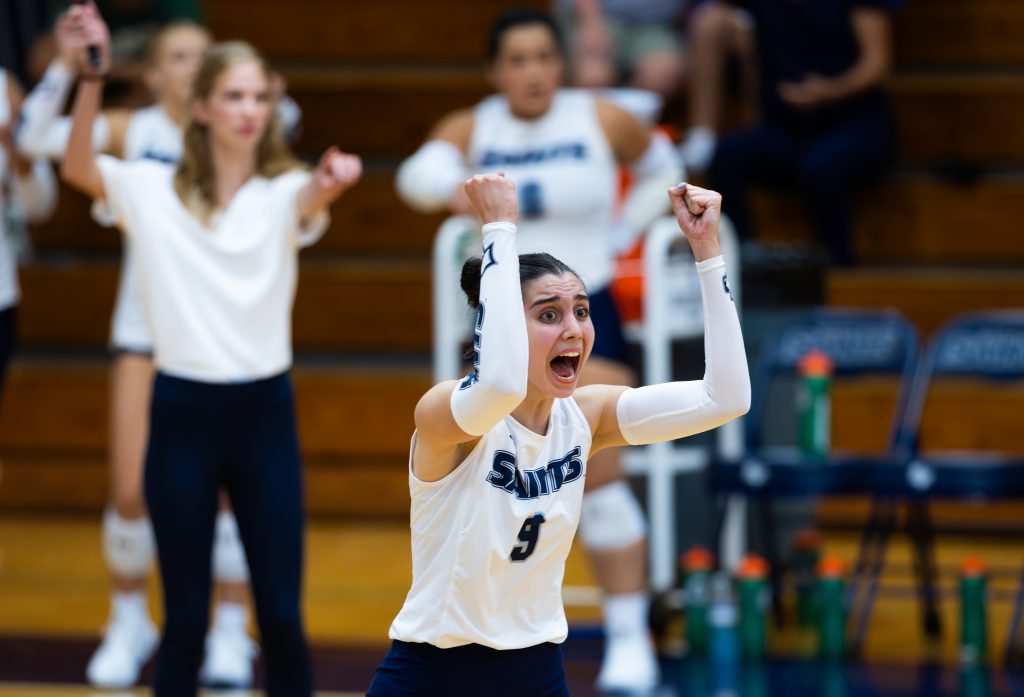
(531, 266)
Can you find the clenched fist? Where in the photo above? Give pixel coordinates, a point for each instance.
(698, 211)
(493, 197)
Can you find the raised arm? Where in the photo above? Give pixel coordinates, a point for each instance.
(460, 411)
(657, 413)
(336, 173)
(652, 161)
(872, 28)
(42, 131)
(33, 185)
(79, 168)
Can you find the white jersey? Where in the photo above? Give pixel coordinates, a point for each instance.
(151, 135)
(9, 291)
(490, 540)
(566, 176)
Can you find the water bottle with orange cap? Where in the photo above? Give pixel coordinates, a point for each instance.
(973, 620)
(806, 555)
(752, 583)
(831, 607)
(697, 565)
(813, 402)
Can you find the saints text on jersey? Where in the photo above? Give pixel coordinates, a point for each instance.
(532, 484)
(531, 156)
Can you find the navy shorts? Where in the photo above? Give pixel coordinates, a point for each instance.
(609, 339)
(423, 670)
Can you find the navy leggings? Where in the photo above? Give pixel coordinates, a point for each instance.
(240, 437)
(423, 670)
(8, 336)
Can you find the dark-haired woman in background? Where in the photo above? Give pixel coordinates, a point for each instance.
(499, 459)
(564, 149)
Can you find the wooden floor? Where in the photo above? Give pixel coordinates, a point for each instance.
(53, 584)
(53, 581)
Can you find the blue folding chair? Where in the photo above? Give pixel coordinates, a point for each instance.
(860, 343)
(983, 347)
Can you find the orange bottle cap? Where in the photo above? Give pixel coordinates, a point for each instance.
(753, 567)
(972, 565)
(698, 558)
(831, 567)
(815, 363)
(807, 539)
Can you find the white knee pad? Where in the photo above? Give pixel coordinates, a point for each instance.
(127, 545)
(229, 564)
(611, 518)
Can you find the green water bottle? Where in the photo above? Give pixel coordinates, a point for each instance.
(752, 584)
(697, 565)
(973, 620)
(831, 608)
(814, 404)
(806, 555)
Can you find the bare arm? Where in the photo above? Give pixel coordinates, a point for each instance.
(651, 159)
(79, 168)
(628, 137)
(872, 29)
(336, 173)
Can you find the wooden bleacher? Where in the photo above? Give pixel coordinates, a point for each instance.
(372, 78)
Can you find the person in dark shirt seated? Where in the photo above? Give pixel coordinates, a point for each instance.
(825, 122)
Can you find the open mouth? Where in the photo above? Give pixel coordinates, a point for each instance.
(566, 365)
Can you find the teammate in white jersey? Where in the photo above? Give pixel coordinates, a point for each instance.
(499, 458)
(28, 193)
(152, 133)
(564, 149)
(216, 240)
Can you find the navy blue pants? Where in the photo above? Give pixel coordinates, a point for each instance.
(240, 437)
(825, 166)
(8, 336)
(423, 670)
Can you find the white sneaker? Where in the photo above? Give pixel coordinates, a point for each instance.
(129, 641)
(630, 665)
(229, 657)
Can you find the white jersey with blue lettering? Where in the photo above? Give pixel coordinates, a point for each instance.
(566, 175)
(151, 135)
(9, 291)
(490, 540)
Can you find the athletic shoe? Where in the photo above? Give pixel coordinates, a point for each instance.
(129, 641)
(229, 658)
(630, 665)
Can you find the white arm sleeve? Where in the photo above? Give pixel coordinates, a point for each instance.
(36, 194)
(658, 169)
(673, 410)
(500, 348)
(42, 131)
(427, 180)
